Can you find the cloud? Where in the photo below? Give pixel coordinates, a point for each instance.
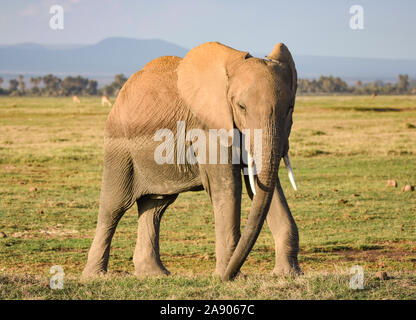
(29, 11)
(46, 4)
(33, 10)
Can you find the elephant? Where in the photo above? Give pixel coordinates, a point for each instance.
(213, 87)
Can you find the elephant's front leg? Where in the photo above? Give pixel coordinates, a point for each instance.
(223, 184)
(285, 234)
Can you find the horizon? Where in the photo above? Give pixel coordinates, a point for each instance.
(55, 46)
(322, 28)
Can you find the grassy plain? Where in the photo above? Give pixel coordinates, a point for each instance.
(343, 149)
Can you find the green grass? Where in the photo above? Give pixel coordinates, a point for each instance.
(343, 149)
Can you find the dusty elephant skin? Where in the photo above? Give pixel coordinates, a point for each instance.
(212, 87)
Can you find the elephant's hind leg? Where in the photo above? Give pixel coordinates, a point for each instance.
(116, 197)
(146, 254)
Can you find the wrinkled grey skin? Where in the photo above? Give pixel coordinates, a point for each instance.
(214, 86)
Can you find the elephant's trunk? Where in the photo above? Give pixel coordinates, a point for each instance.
(265, 184)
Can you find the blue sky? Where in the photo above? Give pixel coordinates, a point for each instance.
(319, 27)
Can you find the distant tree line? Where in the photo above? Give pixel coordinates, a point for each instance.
(337, 85)
(51, 85)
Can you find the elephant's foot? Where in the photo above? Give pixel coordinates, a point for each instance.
(219, 273)
(152, 268)
(289, 271)
(90, 272)
(287, 266)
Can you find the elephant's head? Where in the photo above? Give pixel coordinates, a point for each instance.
(226, 88)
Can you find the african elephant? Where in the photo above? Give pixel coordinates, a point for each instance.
(212, 87)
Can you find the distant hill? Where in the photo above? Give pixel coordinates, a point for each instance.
(125, 55)
(110, 56)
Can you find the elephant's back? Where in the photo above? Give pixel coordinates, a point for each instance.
(163, 64)
(148, 101)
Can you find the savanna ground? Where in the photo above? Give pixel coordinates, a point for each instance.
(343, 149)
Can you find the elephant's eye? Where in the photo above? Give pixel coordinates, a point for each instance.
(242, 107)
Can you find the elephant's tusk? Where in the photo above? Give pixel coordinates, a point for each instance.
(251, 173)
(290, 172)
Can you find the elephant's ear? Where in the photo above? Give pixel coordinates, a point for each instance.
(202, 83)
(282, 54)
